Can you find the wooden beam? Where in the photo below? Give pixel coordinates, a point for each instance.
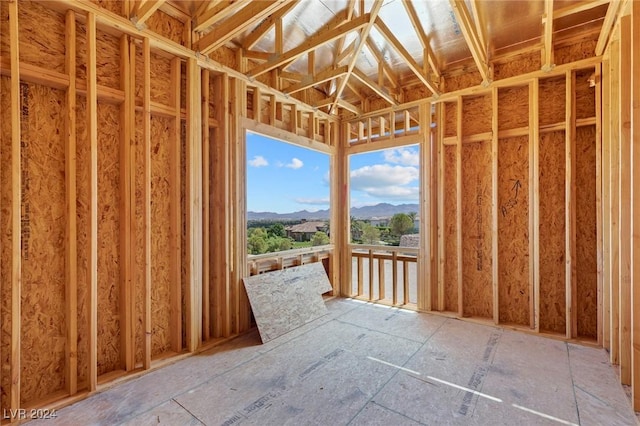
(144, 10)
(364, 34)
(599, 225)
(175, 227)
(237, 23)
(127, 132)
(380, 91)
(16, 212)
(413, 65)
(495, 272)
(217, 12)
(92, 141)
(427, 288)
(206, 207)
(311, 43)
(311, 80)
(606, 205)
(440, 204)
(570, 206)
(547, 53)
(635, 203)
(614, 189)
(468, 29)
(459, 206)
(626, 361)
(193, 204)
(534, 205)
(264, 27)
(578, 7)
(71, 228)
(610, 20)
(146, 201)
(422, 36)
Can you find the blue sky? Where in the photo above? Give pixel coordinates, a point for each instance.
(285, 178)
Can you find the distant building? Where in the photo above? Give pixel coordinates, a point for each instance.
(304, 231)
(379, 221)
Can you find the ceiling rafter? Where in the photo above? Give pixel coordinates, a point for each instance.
(266, 25)
(310, 80)
(364, 34)
(422, 36)
(547, 53)
(341, 40)
(468, 29)
(580, 7)
(237, 23)
(206, 5)
(311, 43)
(388, 71)
(480, 26)
(413, 65)
(143, 10)
(609, 21)
(346, 52)
(380, 91)
(217, 13)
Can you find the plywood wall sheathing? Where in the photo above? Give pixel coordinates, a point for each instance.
(574, 52)
(552, 104)
(513, 230)
(476, 111)
(585, 94)
(512, 66)
(513, 107)
(552, 226)
(167, 26)
(39, 27)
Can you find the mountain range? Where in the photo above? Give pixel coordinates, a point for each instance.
(366, 212)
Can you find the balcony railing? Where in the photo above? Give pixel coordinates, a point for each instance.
(262, 263)
(384, 274)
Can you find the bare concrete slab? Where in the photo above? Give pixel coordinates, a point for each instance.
(284, 300)
(366, 365)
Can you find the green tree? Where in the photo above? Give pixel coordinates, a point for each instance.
(401, 224)
(370, 234)
(319, 239)
(257, 242)
(279, 244)
(277, 230)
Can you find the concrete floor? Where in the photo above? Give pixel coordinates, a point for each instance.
(369, 365)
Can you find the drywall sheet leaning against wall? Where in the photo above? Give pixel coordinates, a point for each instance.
(285, 300)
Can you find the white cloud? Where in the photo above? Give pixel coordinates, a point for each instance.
(258, 161)
(403, 156)
(384, 181)
(295, 164)
(313, 201)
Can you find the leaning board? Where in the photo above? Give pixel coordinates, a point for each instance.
(284, 300)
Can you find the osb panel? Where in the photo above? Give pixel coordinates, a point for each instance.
(83, 218)
(4, 34)
(162, 130)
(552, 232)
(585, 95)
(224, 56)
(476, 115)
(513, 230)
(467, 78)
(41, 34)
(586, 241)
(107, 58)
(160, 79)
(115, 6)
(167, 26)
(108, 238)
(522, 64)
(450, 235)
(450, 118)
(415, 93)
(575, 52)
(5, 231)
(476, 229)
(513, 107)
(552, 100)
(139, 239)
(43, 236)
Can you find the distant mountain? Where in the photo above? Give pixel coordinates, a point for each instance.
(366, 212)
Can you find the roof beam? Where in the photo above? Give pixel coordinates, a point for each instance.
(413, 65)
(237, 23)
(214, 14)
(341, 40)
(380, 91)
(143, 10)
(609, 21)
(422, 36)
(364, 34)
(310, 44)
(313, 80)
(264, 27)
(393, 79)
(547, 58)
(478, 50)
(581, 7)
